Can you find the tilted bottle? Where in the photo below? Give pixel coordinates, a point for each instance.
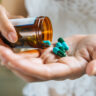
(31, 32)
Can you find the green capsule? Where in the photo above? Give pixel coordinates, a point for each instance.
(44, 45)
(62, 49)
(47, 42)
(60, 55)
(59, 52)
(64, 44)
(55, 50)
(61, 40)
(60, 46)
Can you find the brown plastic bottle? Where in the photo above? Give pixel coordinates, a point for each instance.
(31, 32)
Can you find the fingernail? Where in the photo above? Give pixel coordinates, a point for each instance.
(12, 37)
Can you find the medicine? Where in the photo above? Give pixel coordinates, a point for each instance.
(31, 32)
(60, 46)
(59, 52)
(47, 42)
(63, 43)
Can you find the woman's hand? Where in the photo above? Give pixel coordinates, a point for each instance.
(45, 65)
(6, 28)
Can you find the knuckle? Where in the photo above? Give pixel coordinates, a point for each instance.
(83, 52)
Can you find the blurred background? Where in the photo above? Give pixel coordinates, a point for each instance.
(10, 85)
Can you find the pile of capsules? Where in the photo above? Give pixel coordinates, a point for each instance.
(60, 48)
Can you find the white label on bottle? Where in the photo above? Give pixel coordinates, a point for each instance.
(23, 21)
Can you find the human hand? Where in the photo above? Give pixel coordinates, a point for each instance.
(6, 28)
(45, 65)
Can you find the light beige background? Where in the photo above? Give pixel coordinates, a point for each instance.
(15, 7)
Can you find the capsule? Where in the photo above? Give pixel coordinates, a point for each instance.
(47, 42)
(60, 46)
(65, 46)
(59, 52)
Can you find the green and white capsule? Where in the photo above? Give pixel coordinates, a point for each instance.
(60, 46)
(47, 42)
(59, 52)
(65, 46)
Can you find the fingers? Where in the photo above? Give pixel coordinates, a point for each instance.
(73, 42)
(6, 27)
(7, 53)
(27, 66)
(91, 68)
(68, 67)
(48, 56)
(64, 68)
(33, 67)
(18, 73)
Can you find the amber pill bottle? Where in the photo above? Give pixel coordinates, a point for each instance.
(31, 32)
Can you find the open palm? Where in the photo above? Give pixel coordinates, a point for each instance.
(43, 65)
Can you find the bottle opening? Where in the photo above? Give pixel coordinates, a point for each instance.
(46, 29)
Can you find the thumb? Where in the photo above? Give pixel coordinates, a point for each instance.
(91, 68)
(6, 27)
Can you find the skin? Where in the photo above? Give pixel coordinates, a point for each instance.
(37, 66)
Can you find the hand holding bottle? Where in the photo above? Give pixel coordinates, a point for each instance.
(6, 28)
